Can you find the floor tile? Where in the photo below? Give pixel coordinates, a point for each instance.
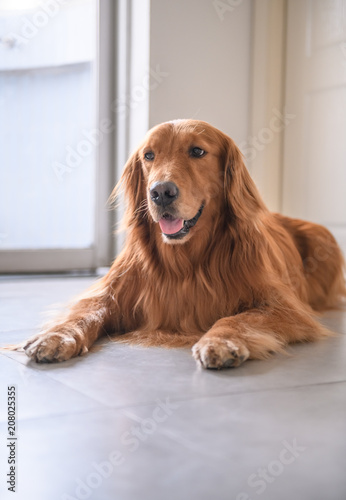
(181, 432)
(26, 303)
(119, 375)
(14, 337)
(335, 320)
(38, 395)
(288, 443)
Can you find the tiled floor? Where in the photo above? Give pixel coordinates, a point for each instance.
(130, 423)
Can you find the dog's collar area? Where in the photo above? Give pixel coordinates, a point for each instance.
(187, 225)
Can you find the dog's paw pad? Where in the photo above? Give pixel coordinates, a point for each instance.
(219, 353)
(50, 347)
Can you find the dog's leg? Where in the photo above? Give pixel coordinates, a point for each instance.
(255, 334)
(71, 336)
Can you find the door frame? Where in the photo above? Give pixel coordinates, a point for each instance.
(268, 97)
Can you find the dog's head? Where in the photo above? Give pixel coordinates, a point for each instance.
(187, 175)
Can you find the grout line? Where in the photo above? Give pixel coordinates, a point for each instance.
(259, 391)
(73, 389)
(59, 415)
(174, 397)
(107, 409)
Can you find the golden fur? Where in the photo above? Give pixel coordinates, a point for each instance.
(241, 284)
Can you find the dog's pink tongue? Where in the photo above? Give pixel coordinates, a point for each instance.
(170, 226)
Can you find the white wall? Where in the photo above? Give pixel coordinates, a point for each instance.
(205, 54)
(314, 162)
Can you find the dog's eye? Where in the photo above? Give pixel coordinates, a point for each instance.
(149, 155)
(197, 152)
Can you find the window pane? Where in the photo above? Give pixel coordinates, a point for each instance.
(48, 139)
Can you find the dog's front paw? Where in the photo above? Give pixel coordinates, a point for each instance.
(217, 353)
(52, 346)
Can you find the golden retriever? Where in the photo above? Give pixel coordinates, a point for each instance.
(205, 265)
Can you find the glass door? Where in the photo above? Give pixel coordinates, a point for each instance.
(49, 136)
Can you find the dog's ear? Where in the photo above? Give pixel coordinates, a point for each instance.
(241, 194)
(131, 183)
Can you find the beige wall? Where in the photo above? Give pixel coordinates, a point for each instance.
(206, 55)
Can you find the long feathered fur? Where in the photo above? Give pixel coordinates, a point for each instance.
(248, 258)
(246, 278)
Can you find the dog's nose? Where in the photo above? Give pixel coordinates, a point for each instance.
(164, 193)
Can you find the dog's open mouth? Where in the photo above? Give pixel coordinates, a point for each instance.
(175, 228)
